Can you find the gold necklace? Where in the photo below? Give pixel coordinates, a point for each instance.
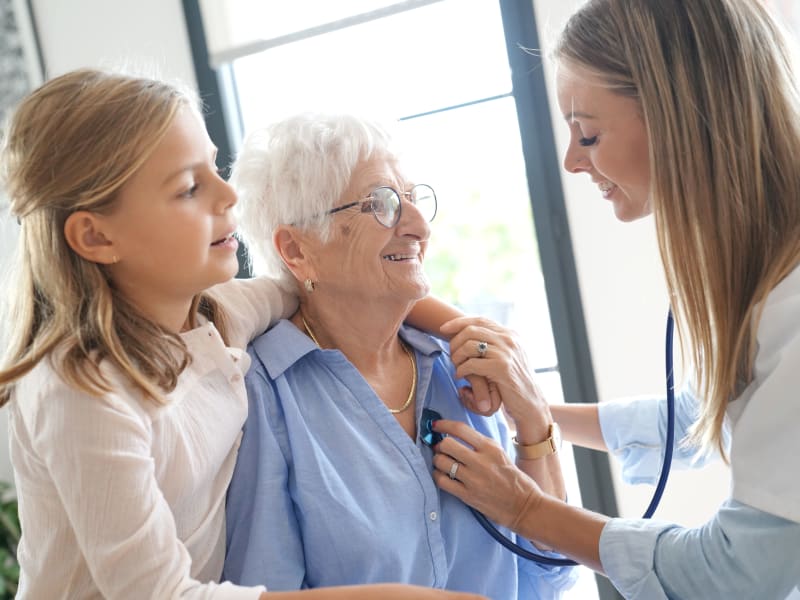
(411, 357)
(308, 329)
(412, 392)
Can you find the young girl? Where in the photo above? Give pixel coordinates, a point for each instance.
(123, 369)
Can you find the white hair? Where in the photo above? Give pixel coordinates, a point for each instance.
(293, 171)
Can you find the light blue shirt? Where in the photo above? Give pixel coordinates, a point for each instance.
(330, 490)
(742, 552)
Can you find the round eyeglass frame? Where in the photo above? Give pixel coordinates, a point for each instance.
(368, 204)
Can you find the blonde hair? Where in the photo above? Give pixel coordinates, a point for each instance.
(71, 145)
(714, 81)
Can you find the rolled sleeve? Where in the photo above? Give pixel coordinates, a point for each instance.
(627, 550)
(741, 552)
(635, 431)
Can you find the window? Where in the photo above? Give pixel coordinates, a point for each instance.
(441, 71)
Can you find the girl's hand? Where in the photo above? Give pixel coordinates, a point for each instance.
(385, 591)
(485, 477)
(505, 367)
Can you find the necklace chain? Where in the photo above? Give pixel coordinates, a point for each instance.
(409, 353)
(413, 390)
(308, 330)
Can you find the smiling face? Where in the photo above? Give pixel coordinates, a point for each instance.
(171, 225)
(608, 140)
(366, 261)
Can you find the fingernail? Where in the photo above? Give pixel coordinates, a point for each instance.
(433, 424)
(484, 405)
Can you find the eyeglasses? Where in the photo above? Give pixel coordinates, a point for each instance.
(384, 202)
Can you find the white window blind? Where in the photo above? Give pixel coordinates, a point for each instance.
(237, 28)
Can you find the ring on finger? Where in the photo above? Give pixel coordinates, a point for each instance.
(482, 348)
(454, 469)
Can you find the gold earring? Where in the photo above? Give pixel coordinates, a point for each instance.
(114, 259)
(309, 285)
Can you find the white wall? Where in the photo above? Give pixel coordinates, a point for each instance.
(8, 237)
(625, 305)
(145, 35)
(99, 33)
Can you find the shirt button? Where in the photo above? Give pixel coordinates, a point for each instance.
(433, 515)
(236, 378)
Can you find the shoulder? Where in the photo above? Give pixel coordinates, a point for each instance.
(765, 418)
(778, 340)
(44, 384)
(251, 305)
(779, 324)
(237, 292)
(278, 350)
(778, 334)
(52, 411)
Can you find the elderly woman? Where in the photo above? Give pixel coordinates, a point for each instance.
(333, 483)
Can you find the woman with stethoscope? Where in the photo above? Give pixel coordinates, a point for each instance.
(686, 109)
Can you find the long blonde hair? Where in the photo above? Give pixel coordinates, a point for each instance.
(71, 145)
(715, 84)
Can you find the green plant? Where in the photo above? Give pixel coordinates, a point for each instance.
(9, 538)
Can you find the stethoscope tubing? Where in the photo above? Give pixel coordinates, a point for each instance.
(660, 485)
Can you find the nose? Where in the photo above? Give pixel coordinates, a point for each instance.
(575, 159)
(412, 223)
(227, 197)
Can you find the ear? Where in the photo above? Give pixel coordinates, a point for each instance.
(293, 250)
(83, 231)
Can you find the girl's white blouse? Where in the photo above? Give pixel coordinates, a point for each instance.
(122, 498)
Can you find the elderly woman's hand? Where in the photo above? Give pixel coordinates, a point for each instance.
(480, 346)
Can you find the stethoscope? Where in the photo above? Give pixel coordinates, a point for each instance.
(431, 438)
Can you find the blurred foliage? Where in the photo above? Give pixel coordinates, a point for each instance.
(9, 538)
(478, 251)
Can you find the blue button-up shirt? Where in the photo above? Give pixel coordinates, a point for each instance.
(330, 490)
(742, 552)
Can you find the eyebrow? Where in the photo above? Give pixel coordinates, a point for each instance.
(571, 116)
(381, 183)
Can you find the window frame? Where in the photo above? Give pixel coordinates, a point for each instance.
(218, 90)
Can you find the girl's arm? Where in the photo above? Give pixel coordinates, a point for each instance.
(370, 592)
(252, 305)
(429, 314)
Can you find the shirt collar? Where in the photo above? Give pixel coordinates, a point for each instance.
(284, 345)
